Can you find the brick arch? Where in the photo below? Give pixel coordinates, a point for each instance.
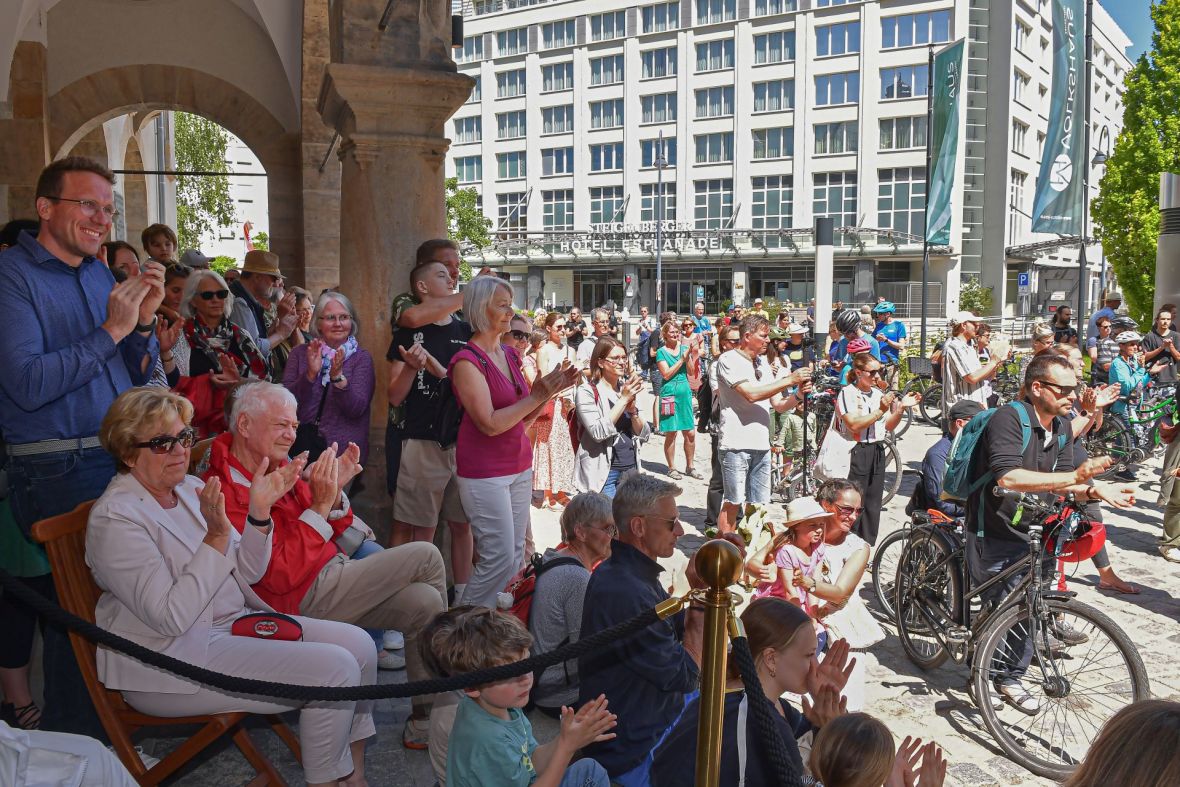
(78, 108)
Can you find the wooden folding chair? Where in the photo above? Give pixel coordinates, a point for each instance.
(198, 455)
(64, 538)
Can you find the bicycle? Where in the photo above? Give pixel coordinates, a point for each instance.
(888, 551)
(1085, 664)
(1133, 436)
(923, 384)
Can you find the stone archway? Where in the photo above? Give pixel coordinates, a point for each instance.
(135, 194)
(80, 107)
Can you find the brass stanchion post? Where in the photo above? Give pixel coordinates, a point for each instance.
(718, 564)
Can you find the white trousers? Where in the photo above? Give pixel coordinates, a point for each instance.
(498, 509)
(331, 654)
(33, 758)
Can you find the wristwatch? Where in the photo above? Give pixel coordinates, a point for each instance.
(258, 522)
(339, 379)
(147, 327)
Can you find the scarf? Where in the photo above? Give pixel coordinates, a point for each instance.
(327, 353)
(230, 339)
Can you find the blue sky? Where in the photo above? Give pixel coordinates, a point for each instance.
(1134, 16)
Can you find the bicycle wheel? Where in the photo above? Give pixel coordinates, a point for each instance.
(893, 470)
(931, 405)
(886, 557)
(919, 386)
(1101, 674)
(907, 417)
(1114, 439)
(928, 591)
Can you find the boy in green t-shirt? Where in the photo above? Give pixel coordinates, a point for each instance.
(492, 741)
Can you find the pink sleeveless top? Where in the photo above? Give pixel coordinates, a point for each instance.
(478, 455)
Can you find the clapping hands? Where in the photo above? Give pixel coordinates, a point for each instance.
(229, 376)
(267, 488)
(906, 769)
(590, 724)
(217, 524)
(565, 375)
(833, 672)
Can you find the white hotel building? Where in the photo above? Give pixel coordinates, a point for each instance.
(774, 112)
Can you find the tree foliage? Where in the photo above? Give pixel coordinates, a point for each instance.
(465, 221)
(221, 263)
(203, 203)
(261, 240)
(1126, 212)
(974, 297)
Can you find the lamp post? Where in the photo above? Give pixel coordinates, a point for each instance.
(1082, 318)
(660, 163)
(1101, 155)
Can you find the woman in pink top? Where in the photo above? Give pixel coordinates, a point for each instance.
(492, 456)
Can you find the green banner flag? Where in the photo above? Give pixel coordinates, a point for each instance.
(944, 142)
(1057, 203)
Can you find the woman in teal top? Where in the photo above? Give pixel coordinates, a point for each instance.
(1127, 370)
(675, 395)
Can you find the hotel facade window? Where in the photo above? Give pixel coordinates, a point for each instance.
(714, 102)
(605, 204)
(607, 157)
(606, 70)
(905, 81)
(649, 151)
(833, 89)
(659, 108)
(649, 201)
(558, 34)
(774, 96)
(557, 120)
(558, 209)
(932, 27)
(713, 203)
(772, 143)
(841, 39)
(777, 47)
(836, 137)
(901, 199)
(714, 148)
(469, 169)
(661, 17)
(606, 114)
(658, 62)
(557, 161)
(903, 133)
(772, 198)
(715, 55)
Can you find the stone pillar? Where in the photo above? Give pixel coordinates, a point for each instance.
(741, 295)
(631, 293)
(321, 189)
(863, 287)
(24, 132)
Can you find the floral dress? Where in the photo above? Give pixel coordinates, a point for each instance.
(553, 453)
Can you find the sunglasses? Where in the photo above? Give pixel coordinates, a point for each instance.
(1062, 390)
(165, 443)
(874, 372)
(849, 510)
(209, 295)
(520, 336)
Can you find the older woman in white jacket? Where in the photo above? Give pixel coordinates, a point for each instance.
(610, 428)
(176, 574)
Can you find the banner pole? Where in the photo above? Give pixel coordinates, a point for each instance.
(1082, 319)
(926, 207)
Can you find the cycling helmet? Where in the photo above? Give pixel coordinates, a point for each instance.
(1122, 323)
(859, 345)
(884, 307)
(848, 321)
(1087, 541)
(1128, 336)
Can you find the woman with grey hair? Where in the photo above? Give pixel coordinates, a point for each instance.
(492, 456)
(220, 354)
(332, 378)
(555, 618)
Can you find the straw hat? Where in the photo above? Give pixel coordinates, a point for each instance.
(805, 510)
(260, 261)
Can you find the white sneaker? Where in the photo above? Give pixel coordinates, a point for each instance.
(388, 660)
(1170, 553)
(393, 640)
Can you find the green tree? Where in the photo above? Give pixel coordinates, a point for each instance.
(974, 297)
(203, 203)
(222, 263)
(1126, 212)
(465, 221)
(261, 240)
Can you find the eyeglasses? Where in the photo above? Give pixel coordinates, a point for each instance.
(616, 359)
(520, 336)
(1103, 325)
(209, 295)
(165, 443)
(672, 521)
(609, 529)
(89, 207)
(557, 326)
(335, 318)
(849, 510)
(1062, 390)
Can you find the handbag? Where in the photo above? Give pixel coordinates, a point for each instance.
(267, 625)
(308, 436)
(835, 456)
(667, 406)
(450, 410)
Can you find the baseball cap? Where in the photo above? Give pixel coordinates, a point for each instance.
(795, 328)
(194, 259)
(965, 409)
(958, 318)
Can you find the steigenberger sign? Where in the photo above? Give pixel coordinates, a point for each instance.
(641, 237)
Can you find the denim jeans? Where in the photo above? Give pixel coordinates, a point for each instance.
(585, 773)
(611, 485)
(745, 476)
(364, 550)
(42, 486)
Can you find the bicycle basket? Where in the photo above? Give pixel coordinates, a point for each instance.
(1073, 539)
(922, 367)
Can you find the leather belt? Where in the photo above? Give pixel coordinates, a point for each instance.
(53, 446)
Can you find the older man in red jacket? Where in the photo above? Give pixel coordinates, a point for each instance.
(310, 573)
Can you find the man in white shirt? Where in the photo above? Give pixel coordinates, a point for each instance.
(747, 390)
(963, 375)
(600, 326)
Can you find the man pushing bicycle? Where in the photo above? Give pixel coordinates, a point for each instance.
(1026, 446)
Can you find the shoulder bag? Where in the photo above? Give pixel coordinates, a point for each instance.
(308, 436)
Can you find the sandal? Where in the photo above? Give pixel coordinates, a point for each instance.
(692, 472)
(1130, 590)
(25, 717)
(675, 475)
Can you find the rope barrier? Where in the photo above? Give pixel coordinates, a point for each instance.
(764, 713)
(55, 614)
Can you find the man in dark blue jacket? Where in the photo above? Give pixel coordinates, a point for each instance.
(647, 675)
(928, 492)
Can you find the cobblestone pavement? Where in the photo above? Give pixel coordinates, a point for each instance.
(932, 705)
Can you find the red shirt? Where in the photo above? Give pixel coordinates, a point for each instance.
(300, 548)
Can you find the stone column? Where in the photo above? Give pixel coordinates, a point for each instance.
(535, 287)
(321, 188)
(24, 132)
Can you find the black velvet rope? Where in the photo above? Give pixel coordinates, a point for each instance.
(764, 713)
(56, 615)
